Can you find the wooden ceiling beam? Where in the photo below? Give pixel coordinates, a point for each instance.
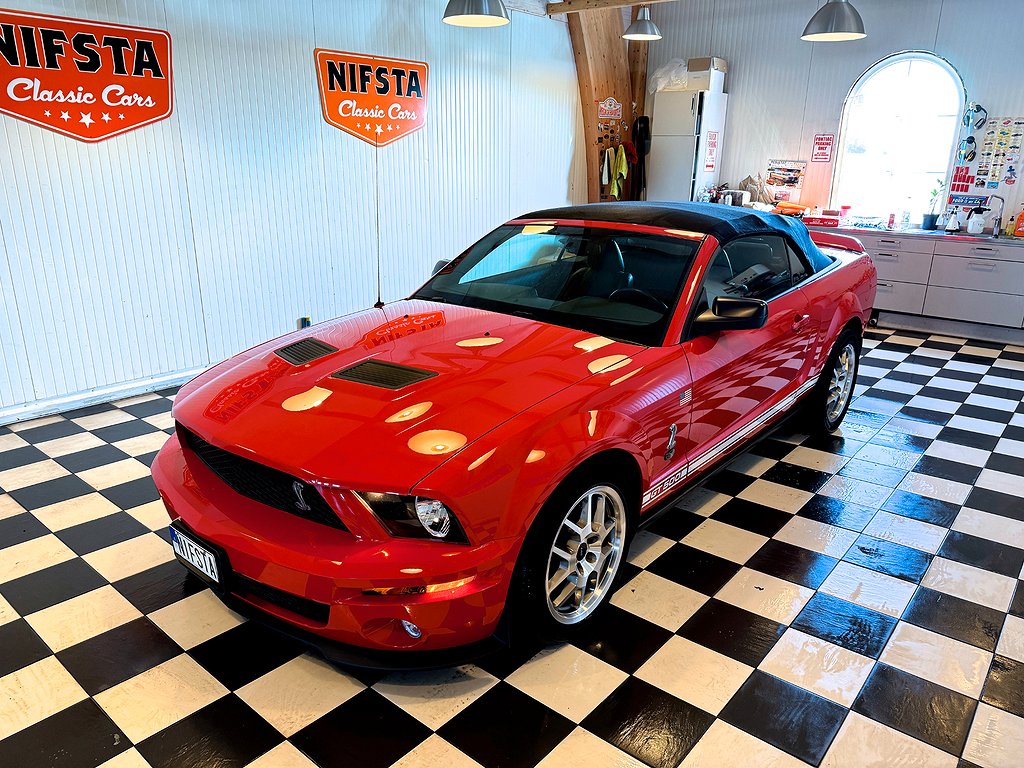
(576, 6)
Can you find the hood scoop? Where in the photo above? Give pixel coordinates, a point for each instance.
(305, 351)
(385, 375)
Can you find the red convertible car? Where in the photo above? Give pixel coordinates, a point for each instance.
(405, 482)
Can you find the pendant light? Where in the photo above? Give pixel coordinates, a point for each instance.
(836, 20)
(475, 13)
(643, 28)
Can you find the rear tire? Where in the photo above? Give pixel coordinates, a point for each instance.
(570, 564)
(825, 408)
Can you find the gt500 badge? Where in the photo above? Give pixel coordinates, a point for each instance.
(85, 79)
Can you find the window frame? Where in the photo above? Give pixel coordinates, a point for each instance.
(879, 65)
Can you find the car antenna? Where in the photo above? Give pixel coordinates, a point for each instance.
(376, 207)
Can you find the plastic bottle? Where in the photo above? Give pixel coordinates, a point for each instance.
(1018, 231)
(1010, 226)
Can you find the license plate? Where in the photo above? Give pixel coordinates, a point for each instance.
(195, 555)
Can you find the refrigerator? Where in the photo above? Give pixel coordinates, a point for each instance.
(687, 129)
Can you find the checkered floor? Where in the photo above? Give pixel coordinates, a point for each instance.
(854, 601)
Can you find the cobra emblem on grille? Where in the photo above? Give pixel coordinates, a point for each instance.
(299, 488)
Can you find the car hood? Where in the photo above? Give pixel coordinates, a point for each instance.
(484, 369)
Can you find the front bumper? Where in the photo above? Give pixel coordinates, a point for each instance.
(311, 579)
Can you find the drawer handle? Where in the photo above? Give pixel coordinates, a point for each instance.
(983, 249)
(891, 242)
(986, 264)
(884, 285)
(888, 255)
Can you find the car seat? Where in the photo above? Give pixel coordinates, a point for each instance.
(604, 273)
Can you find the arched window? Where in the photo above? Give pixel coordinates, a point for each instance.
(898, 135)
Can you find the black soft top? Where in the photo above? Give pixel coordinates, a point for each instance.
(723, 222)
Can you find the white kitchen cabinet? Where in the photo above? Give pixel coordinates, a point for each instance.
(900, 297)
(975, 306)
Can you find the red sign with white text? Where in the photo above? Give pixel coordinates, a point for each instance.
(380, 100)
(85, 79)
(822, 149)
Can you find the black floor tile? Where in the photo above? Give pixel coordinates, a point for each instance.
(675, 523)
(648, 723)
(891, 438)
(887, 394)
(772, 448)
(1014, 433)
(1005, 685)
(89, 410)
(1017, 603)
(20, 457)
(795, 476)
(985, 414)
(124, 430)
(888, 557)
(148, 407)
(63, 428)
(983, 553)
(224, 733)
(925, 415)
(169, 391)
(839, 513)
(728, 481)
(81, 736)
(854, 627)
(952, 373)
(159, 586)
(878, 474)
(969, 439)
(623, 639)
(49, 586)
(20, 528)
(694, 568)
(796, 721)
(732, 631)
(21, 646)
(104, 532)
(132, 494)
(796, 564)
(840, 446)
(91, 458)
(1012, 465)
(937, 392)
(244, 653)
(922, 709)
(110, 658)
(481, 730)
(751, 517)
(997, 503)
(955, 617)
(922, 508)
(947, 470)
(52, 491)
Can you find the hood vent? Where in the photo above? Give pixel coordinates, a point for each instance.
(305, 351)
(385, 375)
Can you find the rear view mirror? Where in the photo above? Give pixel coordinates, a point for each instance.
(730, 313)
(439, 266)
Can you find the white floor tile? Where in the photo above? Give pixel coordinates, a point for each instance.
(658, 600)
(970, 583)
(818, 537)
(567, 679)
(724, 540)
(818, 666)
(768, 596)
(906, 531)
(868, 588)
(943, 660)
(996, 739)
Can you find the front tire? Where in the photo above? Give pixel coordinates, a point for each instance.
(829, 401)
(571, 561)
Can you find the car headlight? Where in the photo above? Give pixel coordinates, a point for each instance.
(414, 516)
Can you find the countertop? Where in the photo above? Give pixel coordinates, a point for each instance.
(924, 234)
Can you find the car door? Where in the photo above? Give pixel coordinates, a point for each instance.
(741, 377)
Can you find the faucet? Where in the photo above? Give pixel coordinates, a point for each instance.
(997, 221)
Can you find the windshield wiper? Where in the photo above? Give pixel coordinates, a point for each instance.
(438, 299)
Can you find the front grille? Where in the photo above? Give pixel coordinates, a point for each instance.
(261, 483)
(380, 374)
(301, 606)
(305, 351)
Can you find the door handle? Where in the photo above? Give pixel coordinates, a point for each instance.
(799, 321)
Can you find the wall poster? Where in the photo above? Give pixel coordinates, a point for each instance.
(785, 179)
(86, 79)
(374, 98)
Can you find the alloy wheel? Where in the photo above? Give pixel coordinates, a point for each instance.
(585, 555)
(841, 385)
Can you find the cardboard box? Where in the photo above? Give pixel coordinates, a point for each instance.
(706, 63)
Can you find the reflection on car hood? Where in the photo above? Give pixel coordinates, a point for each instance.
(484, 369)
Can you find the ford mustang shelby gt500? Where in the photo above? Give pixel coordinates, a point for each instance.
(415, 476)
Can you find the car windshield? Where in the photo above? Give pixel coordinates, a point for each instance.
(614, 283)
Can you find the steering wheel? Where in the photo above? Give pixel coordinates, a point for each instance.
(639, 298)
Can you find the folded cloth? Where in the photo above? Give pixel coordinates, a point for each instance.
(619, 172)
(606, 167)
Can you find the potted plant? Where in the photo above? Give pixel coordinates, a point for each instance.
(931, 218)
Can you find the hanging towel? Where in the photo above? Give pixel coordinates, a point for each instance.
(606, 167)
(619, 172)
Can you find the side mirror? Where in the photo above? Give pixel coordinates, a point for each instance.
(730, 313)
(439, 266)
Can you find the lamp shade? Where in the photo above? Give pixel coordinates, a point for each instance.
(643, 28)
(836, 20)
(475, 13)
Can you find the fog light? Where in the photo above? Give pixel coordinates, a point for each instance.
(434, 517)
(413, 631)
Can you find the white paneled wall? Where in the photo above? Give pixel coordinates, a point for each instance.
(782, 90)
(155, 253)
